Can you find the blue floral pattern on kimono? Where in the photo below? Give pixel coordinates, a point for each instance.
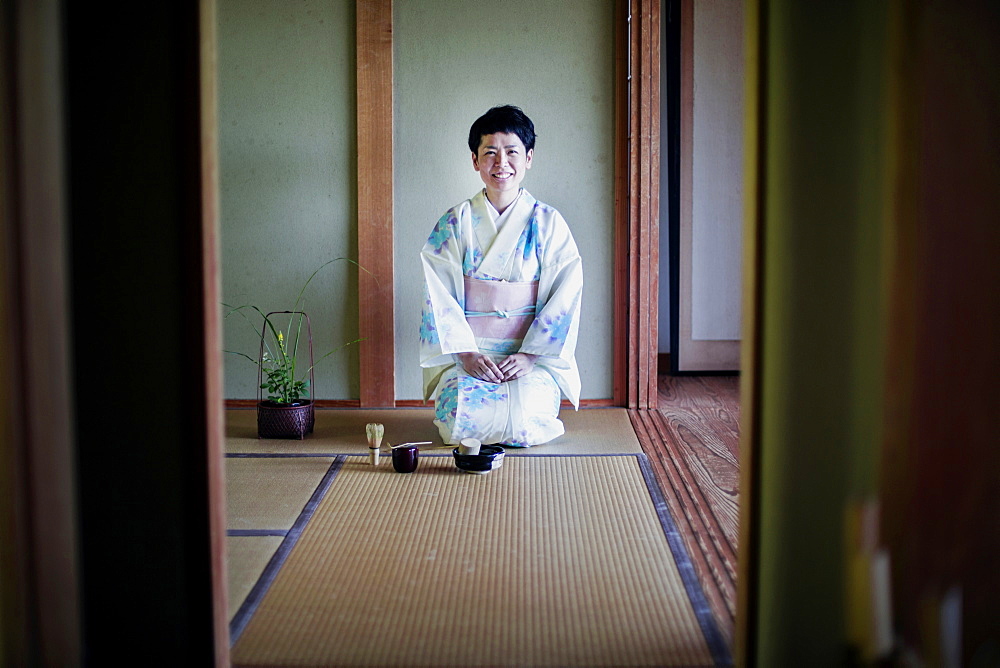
(529, 241)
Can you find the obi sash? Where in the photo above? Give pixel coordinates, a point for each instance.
(500, 309)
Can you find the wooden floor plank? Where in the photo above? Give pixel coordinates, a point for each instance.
(706, 563)
(692, 442)
(701, 496)
(704, 413)
(706, 534)
(715, 397)
(714, 477)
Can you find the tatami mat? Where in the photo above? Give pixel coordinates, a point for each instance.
(247, 556)
(270, 493)
(342, 432)
(545, 561)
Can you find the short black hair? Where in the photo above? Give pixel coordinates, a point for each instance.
(506, 118)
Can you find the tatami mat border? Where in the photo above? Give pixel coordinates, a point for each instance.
(713, 636)
(709, 627)
(287, 455)
(403, 404)
(256, 594)
(364, 453)
(256, 532)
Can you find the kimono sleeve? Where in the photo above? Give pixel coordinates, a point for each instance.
(553, 333)
(443, 328)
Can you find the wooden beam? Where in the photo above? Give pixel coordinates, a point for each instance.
(375, 234)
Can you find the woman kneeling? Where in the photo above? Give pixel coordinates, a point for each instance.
(503, 282)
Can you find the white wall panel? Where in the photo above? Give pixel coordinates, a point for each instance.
(717, 199)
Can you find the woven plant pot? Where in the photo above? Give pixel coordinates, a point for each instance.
(284, 420)
(275, 420)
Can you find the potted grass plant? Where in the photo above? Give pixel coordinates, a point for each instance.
(285, 365)
(288, 411)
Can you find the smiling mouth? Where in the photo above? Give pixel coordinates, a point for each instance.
(503, 176)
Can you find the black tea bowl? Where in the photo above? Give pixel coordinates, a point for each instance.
(490, 457)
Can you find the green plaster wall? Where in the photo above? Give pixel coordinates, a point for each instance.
(287, 177)
(454, 59)
(288, 166)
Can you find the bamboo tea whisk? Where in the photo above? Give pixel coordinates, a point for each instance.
(375, 431)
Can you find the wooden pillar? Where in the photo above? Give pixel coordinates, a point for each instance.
(375, 233)
(621, 315)
(637, 209)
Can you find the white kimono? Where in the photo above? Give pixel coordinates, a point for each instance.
(534, 244)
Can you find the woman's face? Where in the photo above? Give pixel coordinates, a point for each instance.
(502, 162)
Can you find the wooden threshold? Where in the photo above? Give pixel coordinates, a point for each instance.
(320, 403)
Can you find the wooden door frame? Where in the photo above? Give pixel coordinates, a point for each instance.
(637, 202)
(211, 280)
(636, 184)
(687, 355)
(42, 605)
(754, 169)
(636, 187)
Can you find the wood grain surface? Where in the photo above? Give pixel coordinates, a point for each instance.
(375, 282)
(643, 164)
(622, 206)
(692, 441)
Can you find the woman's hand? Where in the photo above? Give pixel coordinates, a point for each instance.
(482, 367)
(517, 365)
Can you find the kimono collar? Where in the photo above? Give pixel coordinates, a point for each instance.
(499, 246)
(500, 218)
